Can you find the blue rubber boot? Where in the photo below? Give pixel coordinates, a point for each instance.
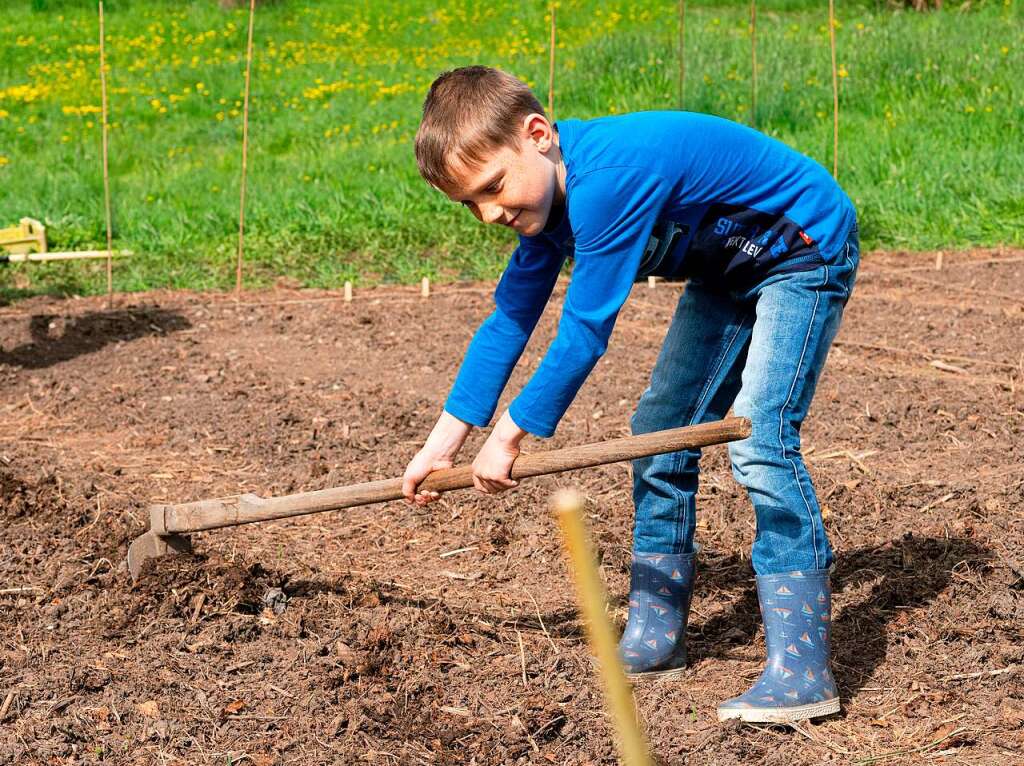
(797, 682)
(653, 644)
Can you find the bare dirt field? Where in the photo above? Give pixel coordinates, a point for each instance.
(449, 635)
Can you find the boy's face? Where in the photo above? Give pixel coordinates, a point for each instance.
(515, 187)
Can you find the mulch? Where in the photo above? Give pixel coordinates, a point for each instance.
(449, 634)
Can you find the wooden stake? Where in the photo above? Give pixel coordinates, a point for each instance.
(348, 292)
(106, 169)
(551, 67)
(938, 261)
(652, 282)
(425, 287)
(753, 63)
(245, 151)
(568, 507)
(835, 88)
(682, 53)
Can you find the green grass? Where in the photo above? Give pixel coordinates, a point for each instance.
(930, 148)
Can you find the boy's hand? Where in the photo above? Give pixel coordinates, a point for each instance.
(493, 465)
(442, 446)
(425, 463)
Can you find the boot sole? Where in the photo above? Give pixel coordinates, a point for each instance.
(659, 674)
(780, 714)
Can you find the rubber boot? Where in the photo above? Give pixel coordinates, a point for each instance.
(797, 682)
(653, 644)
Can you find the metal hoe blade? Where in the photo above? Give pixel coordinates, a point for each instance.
(150, 545)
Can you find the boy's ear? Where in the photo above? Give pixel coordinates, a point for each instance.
(538, 131)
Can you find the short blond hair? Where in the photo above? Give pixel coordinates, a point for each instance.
(468, 113)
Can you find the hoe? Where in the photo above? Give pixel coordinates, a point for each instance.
(170, 525)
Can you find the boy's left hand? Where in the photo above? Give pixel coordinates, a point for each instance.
(492, 467)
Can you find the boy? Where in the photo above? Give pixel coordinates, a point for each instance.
(768, 242)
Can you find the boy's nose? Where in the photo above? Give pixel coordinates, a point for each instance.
(492, 213)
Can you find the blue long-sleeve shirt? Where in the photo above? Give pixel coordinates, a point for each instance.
(668, 193)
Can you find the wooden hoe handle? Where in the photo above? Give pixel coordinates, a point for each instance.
(245, 509)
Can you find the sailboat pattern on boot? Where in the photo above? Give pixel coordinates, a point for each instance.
(654, 640)
(796, 609)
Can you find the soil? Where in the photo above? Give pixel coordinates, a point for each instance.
(449, 634)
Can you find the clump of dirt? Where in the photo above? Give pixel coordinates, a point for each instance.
(41, 500)
(171, 586)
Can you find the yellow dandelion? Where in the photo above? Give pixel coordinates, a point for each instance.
(4, 161)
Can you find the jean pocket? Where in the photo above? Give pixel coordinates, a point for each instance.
(845, 273)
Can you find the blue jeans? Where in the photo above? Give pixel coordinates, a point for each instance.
(759, 350)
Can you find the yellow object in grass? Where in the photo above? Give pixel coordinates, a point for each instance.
(29, 236)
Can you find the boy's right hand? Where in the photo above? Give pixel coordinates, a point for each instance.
(443, 444)
(418, 469)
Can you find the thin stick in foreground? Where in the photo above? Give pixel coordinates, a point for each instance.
(568, 507)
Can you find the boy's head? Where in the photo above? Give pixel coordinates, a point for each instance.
(485, 141)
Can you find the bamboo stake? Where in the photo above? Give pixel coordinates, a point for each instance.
(682, 53)
(835, 88)
(568, 507)
(551, 67)
(106, 169)
(245, 151)
(753, 63)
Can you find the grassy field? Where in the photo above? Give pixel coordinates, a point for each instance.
(932, 110)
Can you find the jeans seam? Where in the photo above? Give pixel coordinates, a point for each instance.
(848, 282)
(676, 541)
(718, 367)
(782, 417)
